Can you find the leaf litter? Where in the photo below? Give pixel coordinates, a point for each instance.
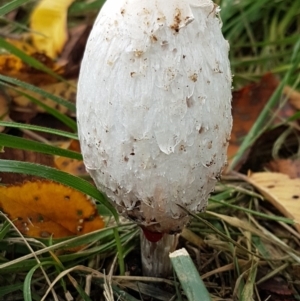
(48, 209)
(240, 255)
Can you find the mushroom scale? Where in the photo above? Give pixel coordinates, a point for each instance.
(154, 108)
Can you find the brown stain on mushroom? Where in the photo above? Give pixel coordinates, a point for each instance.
(189, 102)
(182, 148)
(153, 38)
(201, 130)
(164, 45)
(146, 11)
(214, 10)
(210, 163)
(193, 77)
(138, 53)
(177, 19)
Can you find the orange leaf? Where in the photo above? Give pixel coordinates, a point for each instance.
(74, 167)
(44, 208)
(13, 66)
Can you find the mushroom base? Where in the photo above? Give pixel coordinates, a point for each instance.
(154, 219)
(155, 255)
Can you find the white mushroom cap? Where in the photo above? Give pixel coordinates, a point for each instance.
(154, 107)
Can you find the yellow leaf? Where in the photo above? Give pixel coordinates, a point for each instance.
(13, 66)
(49, 26)
(44, 208)
(10, 64)
(280, 190)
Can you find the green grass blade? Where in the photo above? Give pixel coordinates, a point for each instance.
(253, 212)
(188, 276)
(28, 59)
(57, 176)
(4, 229)
(248, 290)
(8, 7)
(120, 252)
(10, 289)
(259, 124)
(84, 7)
(123, 295)
(38, 129)
(28, 279)
(25, 144)
(82, 293)
(62, 117)
(70, 106)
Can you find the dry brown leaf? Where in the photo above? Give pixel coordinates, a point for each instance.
(44, 209)
(281, 191)
(74, 48)
(260, 151)
(193, 238)
(4, 108)
(286, 166)
(62, 89)
(293, 95)
(278, 288)
(239, 223)
(247, 104)
(25, 156)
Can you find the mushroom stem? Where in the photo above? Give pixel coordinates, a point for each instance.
(155, 255)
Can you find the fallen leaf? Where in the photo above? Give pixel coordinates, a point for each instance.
(281, 191)
(74, 145)
(293, 95)
(66, 90)
(70, 166)
(277, 287)
(262, 150)
(247, 104)
(74, 167)
(4, 108)
(73, 50)
(13, 66)
(22, 155)
(48, 23)
(22, 43)
(286, 166)
(44, 209)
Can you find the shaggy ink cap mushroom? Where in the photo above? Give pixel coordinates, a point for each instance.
(154, 107)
